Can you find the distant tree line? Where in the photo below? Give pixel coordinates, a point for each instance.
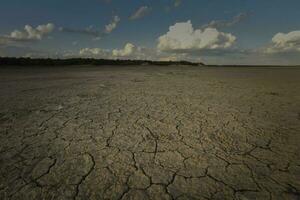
(6, 61)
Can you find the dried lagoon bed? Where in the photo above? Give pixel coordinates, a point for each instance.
(149, 132)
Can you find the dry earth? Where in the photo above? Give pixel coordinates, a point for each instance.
(149, 132)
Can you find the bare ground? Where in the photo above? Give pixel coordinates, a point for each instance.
(149, 133)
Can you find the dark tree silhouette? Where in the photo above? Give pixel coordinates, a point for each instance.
(11, 61)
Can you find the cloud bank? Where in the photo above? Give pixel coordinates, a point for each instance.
(95, 53)
(129, 51)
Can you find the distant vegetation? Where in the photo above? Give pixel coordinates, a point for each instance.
(5, 61)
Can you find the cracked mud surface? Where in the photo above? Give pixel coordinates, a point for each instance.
(149, 133)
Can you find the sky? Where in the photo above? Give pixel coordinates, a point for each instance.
(210, 31)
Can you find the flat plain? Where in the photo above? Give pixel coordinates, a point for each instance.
(149, 132)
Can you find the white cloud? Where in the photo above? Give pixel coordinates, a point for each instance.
(128, 50)
(139, 13)
(30, 33)
(112, 25)
(131, 51)
(182, 37)
(285, 42)
(179, 57)
(95, 53)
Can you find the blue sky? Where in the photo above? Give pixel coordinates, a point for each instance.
(229, 32)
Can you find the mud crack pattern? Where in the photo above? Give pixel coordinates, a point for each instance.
(149, 133)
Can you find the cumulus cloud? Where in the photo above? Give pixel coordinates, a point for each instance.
(182, 37)
(131, 51)
(224, 23)
(284, 43)
(28, 34)
(112, 25)
(128, 50)
(140, 13)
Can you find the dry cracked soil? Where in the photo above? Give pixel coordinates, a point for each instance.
(149, 132)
